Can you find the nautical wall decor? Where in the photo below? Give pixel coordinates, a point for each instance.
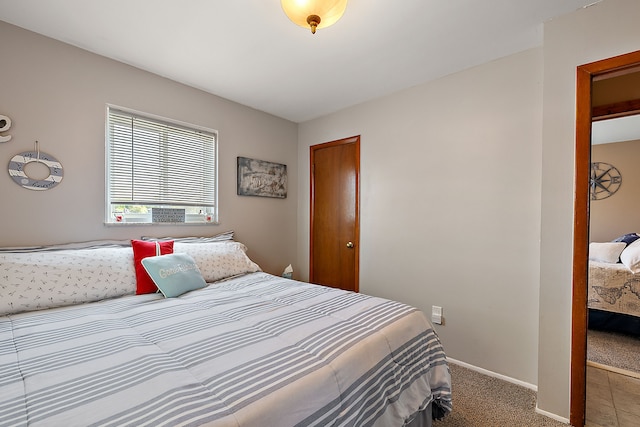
(5, 125)
(19, 161)
(605, 180)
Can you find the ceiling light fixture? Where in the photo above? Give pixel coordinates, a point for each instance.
(314, 13)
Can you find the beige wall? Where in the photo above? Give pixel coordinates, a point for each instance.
(616, 89)
(450, 205)
(56, 94)
(620, 213)
(601, 31)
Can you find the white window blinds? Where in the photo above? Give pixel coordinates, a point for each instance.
(158, 163)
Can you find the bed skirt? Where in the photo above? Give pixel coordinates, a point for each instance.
(601, 320)
(423, 418)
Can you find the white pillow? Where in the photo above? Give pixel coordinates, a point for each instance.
(631, 256)
(606, 252)
(37, 280)
(218, 260)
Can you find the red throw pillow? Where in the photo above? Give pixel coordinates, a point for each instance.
(143, 249)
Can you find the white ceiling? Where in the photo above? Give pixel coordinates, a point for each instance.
(249, 52)
(616, 130)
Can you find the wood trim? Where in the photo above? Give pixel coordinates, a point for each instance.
(357, 220)
(621, 70)
(349, 140)
(585, 75)
(618, 109)
(580, 248)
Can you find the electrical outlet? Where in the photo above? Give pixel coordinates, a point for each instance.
(436, 314)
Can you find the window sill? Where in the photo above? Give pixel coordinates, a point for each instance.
(137, 224)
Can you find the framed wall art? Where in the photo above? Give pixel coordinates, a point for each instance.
(261, 178)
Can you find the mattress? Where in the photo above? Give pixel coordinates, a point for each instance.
(256, 350)
(613, 287)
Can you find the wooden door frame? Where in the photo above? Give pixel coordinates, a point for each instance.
(349, 140)
(585, 75)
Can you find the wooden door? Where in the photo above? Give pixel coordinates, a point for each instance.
(335, 216)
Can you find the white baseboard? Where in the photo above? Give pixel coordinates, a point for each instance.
(494, 374)
(550, 415)
(614, 369)
(512, 381)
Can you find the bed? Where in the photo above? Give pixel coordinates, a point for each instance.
(614, 286)
(247, 349)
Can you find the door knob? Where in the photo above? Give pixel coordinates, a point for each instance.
(350, 245)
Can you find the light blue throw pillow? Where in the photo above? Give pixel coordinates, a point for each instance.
(174, 274)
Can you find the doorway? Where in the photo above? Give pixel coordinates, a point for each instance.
(586, 74)
(335, 214)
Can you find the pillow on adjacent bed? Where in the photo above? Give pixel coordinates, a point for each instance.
(141, 250)
(606, 252)
(174, 274)
(631, 257)
(627, 238)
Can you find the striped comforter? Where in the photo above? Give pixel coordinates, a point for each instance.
(256, 350)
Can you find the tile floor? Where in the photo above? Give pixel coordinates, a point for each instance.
(613, 399)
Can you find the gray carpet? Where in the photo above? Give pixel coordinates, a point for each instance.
(483, 401)
(614, 349)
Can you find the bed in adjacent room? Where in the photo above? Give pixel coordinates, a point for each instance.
(245, 348)
(614, 285)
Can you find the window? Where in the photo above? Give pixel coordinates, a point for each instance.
(159, 171)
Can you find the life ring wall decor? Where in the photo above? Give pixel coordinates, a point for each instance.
(19, 161)
(5, 125)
